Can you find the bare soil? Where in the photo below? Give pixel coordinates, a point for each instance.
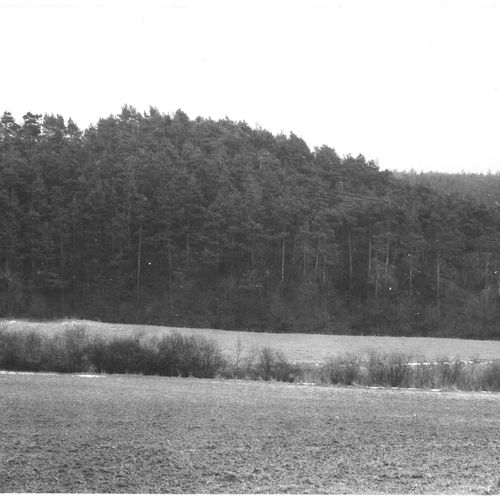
(135, 434)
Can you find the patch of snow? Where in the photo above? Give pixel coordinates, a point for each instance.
(85, 375)
(449, 363)
(3, 372)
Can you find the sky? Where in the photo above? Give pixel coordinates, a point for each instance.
(411, 84)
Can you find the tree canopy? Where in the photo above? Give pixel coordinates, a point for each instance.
(157, 218)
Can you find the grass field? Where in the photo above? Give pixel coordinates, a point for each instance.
(299, 348)
(135, 434)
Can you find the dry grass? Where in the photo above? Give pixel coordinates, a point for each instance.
(132, 434)
(299, 348)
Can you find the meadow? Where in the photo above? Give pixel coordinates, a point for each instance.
(299, 348)
(136, 434)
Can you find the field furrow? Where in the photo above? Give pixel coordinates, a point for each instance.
(136, 434)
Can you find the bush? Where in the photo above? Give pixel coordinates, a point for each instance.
(243, 367)
(96, 354)
(203, 357)
(73, 350)
(446, 373)
(29, 350)
(123, 355)
(10, 351)
(265, 363)
(490, 377)
(343, 369)
(284, 371)
(273, 365)
(30, 353)
(189, 356)
(423, 376)
(388, 369)
(237, 368)
(450, 373)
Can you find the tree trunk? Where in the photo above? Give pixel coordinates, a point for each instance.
(170, 295)
(486, 269)
(411, 276)
(438, 279)
(61, 267)
(387, 252)
(303, 261)
(349, 242)
(317, 255)
(485, 293)
(369, 256)
(139, 261)
(324, 268)
(283, 259)
(217, 252)
(129, 224)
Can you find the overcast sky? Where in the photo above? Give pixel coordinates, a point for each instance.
(411, 84)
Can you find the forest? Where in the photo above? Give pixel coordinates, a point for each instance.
(157, 218)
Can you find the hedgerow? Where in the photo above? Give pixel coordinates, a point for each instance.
(175, 355)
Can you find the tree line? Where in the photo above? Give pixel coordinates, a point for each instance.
(158, 218)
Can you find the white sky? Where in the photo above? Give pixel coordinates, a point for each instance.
(411, 84)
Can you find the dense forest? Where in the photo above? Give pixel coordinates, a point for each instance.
(160, 219)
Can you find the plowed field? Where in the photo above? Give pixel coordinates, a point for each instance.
(134, 434)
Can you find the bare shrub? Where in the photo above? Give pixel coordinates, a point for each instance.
(490, 377)
(29, 356)
(206, 359)
(423, 375)
(236, 367)
(376, 368)
(265, 363)
(10, 351)
(388, 369)
(399, 369)
(449, 372)
(247, 366)
(446, 373)
(195, 356)
(74, 349)
(343, 369)
(30, 350)
(96, 355)
(283, 370)
(170, 356)
(274, 365)
(122, 355)
(470, 376)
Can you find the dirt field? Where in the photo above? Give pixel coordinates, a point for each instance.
(64, 433)
(300, 348)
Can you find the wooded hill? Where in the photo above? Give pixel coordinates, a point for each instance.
(155, 218)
